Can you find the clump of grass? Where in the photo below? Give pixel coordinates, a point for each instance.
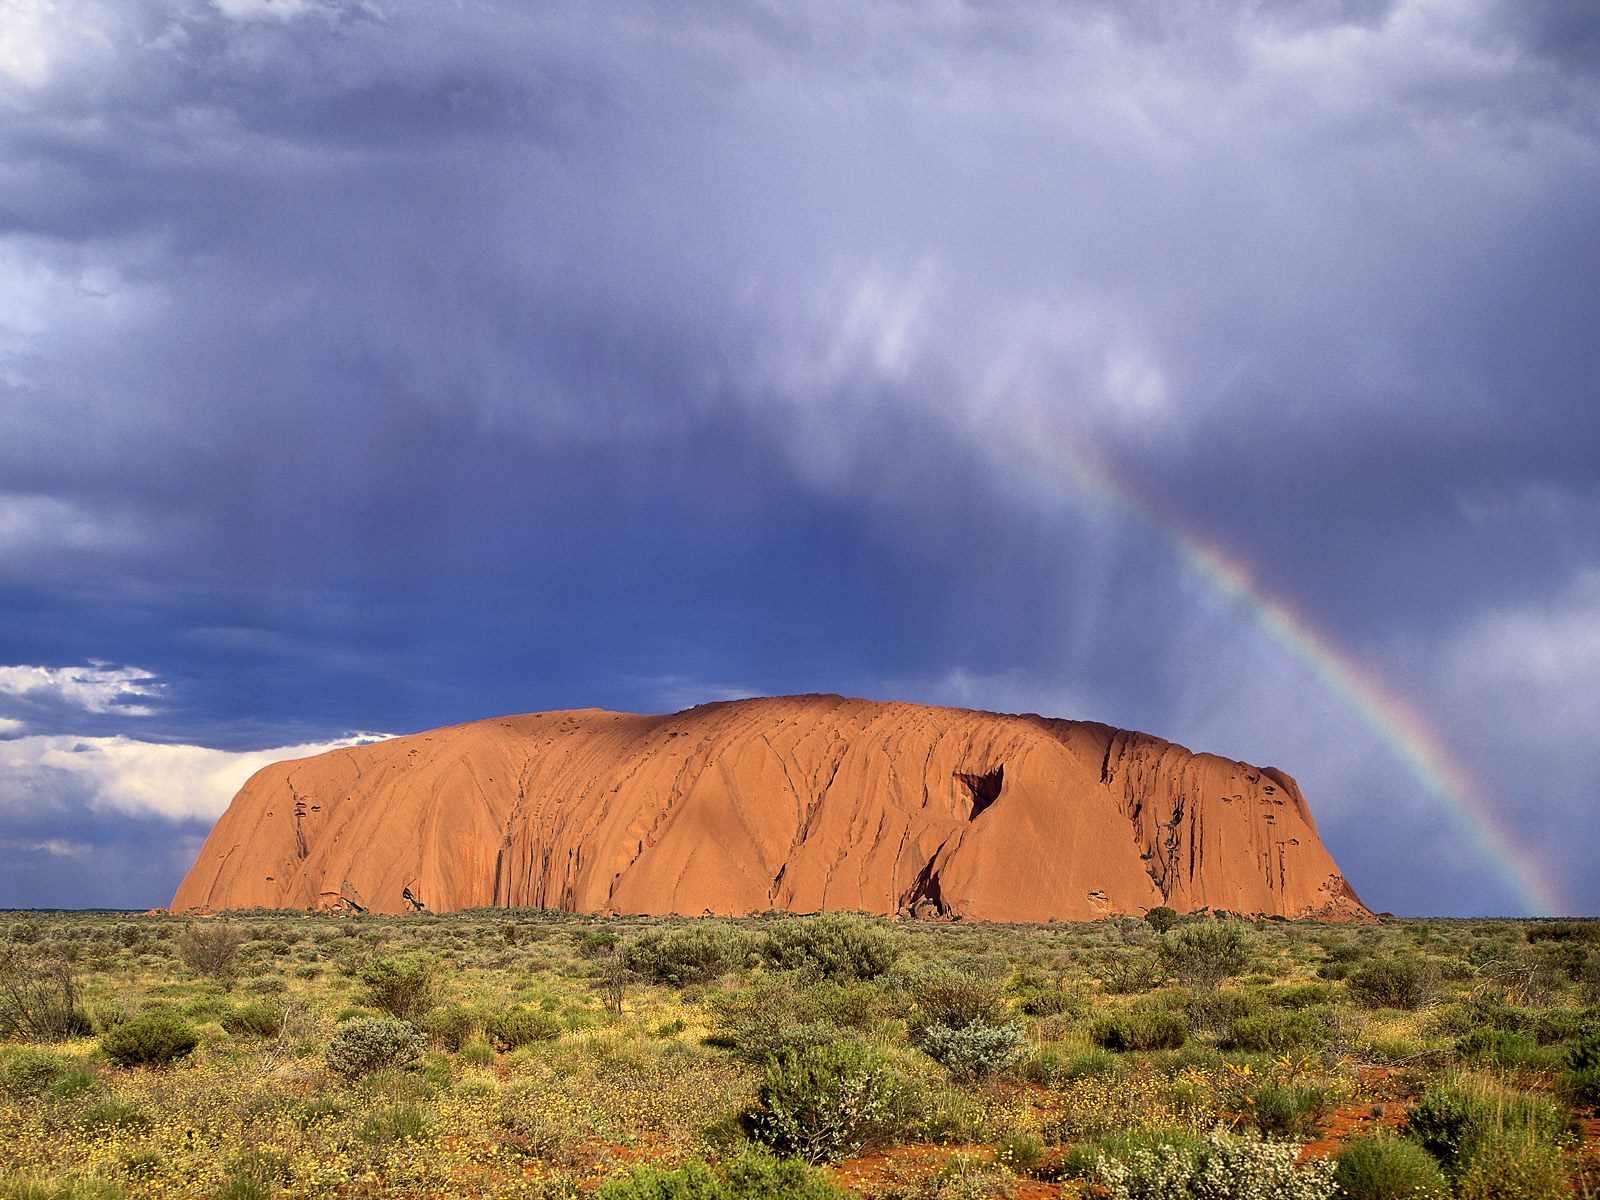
(1385, 1167)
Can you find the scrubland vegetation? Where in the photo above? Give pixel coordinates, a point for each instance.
(262, 1055)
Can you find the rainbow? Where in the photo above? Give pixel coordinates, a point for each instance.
(1052, 458)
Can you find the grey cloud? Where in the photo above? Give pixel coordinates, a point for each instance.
(725, 319)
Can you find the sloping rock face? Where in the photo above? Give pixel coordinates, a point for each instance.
(797, 803)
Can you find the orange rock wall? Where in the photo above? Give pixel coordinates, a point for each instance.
(798, 803)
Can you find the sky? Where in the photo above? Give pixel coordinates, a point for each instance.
(1223, 371)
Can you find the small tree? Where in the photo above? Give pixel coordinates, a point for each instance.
(1203, 954)
(211, 949)
(402, 987)
(39, 997)
(1161, 918)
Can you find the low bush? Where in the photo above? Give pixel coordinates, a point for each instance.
(946, 996)
(1128, 973)
(975, 1051)
(1499, 1048)
(1513, 1164)
(748, 1177)
(1453, 1119)
(1385, 1167)
(1288, 1112)
(520, 1026)
(256, 1175)
(406, 1123)
(833, 946)
(154, 1038)
(687, 954)
(1202, 954)
(1275, 1032)
(259, 1019)
(39, 996)
(31, 1072)
(1222, 1168)
(405, 988)
(825, 1102)
(210, 949)
(368, 1044)
(1051, 1002)
(1582, 1080)
(1161, 918)
(113, 1113)
(777, 1012)
(1401, 981)
(452, 1026)
(1148, 1029)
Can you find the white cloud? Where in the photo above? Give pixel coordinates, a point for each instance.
(10, 725)
(54, 847)
(1536, 667)
(120, 774)
(44, 522)
(262, 10)
(96, 687)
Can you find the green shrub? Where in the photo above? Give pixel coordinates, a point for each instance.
(1500, 1048)
(39, 996)
(1141, 1029)
(74, 1081)
(1161, 918)
(258, 1019)
(1565, 931)
(1408, 982)
(1451, 1120)
(405, 988)
(1128, 973)
(824, 1102)
(317, 1109)
(256, 1175)
(113, 1113)
(152, 1038)
(210, 948)
(451, 1026)
(748, 1177)
(369, 1044)
(833, 946)
(1221, 1168)
(1384, 1167)
(776, 1013)
(1286, 1111)
(1202, 954)
(1584, 1053)
(406, 1123)
(1584, 1086)
(688, 954)
(1511, 1164)
(945, 996)
(1275, 1032)
(520, 1026)
(1051, 1002)
(31, 1072)
(975, 1051)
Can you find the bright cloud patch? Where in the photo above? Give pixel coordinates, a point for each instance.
(120, 774)
(95, 688)
(54, 847)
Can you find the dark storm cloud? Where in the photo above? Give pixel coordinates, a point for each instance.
(381, 365)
